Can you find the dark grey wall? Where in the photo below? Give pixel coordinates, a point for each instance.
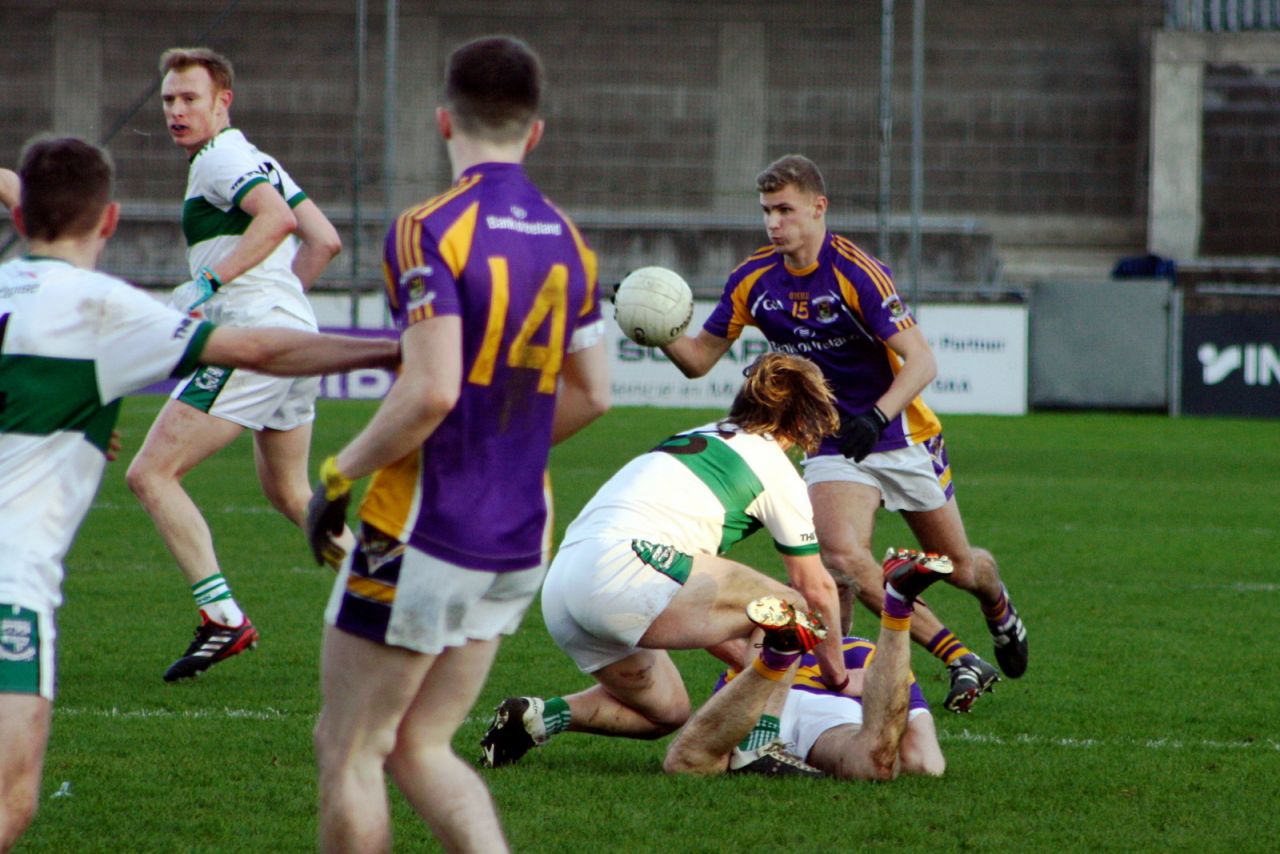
(659, 112)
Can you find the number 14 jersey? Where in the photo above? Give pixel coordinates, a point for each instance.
(495, 252)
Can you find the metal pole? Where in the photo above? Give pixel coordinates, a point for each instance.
(389, 114)
(886, 126)
(917, 142)
(357, 159)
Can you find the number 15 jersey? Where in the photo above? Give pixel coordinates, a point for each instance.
(495, 252)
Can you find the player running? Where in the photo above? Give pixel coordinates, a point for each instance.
(72, 342)
(817, 294)
(255, 244)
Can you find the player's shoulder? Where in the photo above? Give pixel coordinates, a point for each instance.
(228, 143)
(94, 292)
(853, 260)
(462, 193)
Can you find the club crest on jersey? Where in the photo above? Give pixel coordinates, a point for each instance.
(896, 307)
(15, 641)
(826, 308)
(416, 280)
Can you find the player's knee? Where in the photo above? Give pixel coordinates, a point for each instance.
(138, 477)
(287, 501)
(335, 749)
(851, 568)
(668, 720)
(882, 763)
(972, 568)
(930, 766)
(929, 763)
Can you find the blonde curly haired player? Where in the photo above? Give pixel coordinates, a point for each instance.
(640, 569)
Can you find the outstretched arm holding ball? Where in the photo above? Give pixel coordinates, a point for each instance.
(653, 307)
(695, 355)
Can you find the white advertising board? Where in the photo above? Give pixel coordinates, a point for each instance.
(981, 352)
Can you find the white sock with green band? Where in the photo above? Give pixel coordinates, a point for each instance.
(213, 598)
(766, 730)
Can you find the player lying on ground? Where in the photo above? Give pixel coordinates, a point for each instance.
(639, 570)
(885, 732)
(72, 343)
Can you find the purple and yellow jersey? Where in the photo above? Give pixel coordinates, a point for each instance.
(839, 313)
(497, 254)
(858, 653)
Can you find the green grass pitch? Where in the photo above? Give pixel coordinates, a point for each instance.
(1139, 549)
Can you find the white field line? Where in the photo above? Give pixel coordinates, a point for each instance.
(964, 735)
(242, 509)
(1153, 743)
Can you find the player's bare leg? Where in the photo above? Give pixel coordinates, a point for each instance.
(281, 458)
(734, 714)
(24, 732)
(942, 531)
(641, 696)
(844, 518)
(871, 752)
(180, 439)
(919, 751)
(368, 690)
(709, 609)
(444, 790)
(737, 729)
(704, 744)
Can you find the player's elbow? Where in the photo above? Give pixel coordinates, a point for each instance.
(596, 401)
(284, 223)
(328, 245)
(438, 400)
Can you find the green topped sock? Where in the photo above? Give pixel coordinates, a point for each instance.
(767, 730)
(555, 715)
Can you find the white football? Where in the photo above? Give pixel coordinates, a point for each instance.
(653, 306)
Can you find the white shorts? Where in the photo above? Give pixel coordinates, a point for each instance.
(807, 715)
(601, 596)
(395, 595)
(254, 400)
(915, 478)
(27, 657)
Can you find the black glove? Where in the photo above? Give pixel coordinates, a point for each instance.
(861, 432)
(327, 514)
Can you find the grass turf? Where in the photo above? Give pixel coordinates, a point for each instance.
(1139, 550)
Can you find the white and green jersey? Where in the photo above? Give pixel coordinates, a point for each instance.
(221, 173)
(701, 491)
(72, 342)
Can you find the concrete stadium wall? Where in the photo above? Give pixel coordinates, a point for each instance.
(660, 112)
